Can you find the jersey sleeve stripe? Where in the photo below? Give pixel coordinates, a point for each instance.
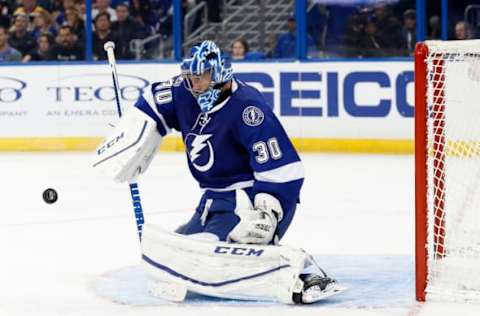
(149, 99)
(290, 172)
(165, 126)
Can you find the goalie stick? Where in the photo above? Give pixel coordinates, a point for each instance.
(134, 191)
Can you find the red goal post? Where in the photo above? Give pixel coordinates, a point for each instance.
(421, 52)
(447, 169)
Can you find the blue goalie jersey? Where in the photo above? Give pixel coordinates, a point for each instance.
(238, 144)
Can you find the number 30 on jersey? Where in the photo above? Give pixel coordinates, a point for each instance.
(267, 150)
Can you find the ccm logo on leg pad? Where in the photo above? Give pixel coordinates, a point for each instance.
(110, 143)
(238, 251)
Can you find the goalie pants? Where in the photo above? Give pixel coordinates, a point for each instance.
(215, 214)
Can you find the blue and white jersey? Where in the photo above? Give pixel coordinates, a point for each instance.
(238, 144)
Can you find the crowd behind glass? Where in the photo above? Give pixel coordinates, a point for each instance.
(54, 30)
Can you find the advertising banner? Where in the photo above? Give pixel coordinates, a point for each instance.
(314, 100)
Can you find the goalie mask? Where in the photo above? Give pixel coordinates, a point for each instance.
(205, 72)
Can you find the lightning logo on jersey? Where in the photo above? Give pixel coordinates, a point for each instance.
(239, 143)
(200, 151)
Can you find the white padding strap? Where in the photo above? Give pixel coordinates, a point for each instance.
(129, 149)
(221, 269)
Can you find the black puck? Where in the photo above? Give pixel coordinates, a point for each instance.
(50, 196)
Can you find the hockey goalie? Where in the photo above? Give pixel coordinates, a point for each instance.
(250, 174)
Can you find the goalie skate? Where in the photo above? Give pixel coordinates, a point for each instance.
(316, 288)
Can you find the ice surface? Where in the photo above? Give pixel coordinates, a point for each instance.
(80, 255)
(366, 277)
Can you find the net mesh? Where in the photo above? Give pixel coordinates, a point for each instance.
(453, 128)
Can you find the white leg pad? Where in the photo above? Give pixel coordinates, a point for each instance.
(220, 269)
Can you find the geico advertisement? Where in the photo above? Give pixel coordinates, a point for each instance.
(321, 99)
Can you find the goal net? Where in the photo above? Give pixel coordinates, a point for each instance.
(447, 158)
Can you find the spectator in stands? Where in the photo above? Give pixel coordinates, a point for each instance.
(163, 23)
(114, 3)
(29, 8)
(56, 5)
(61, 9)
(287, 42)
(20, 38)
(409, 32)
(67, 48)
(44, 50)
(372, 44)
(317, 21)
(46, 4)
(126, 29)
(461, 32)
(187, 5)
(142, 12)
(214, 9)
(4, 14)
(354, 35)
(102, 35)
(82, 9)
(73, 19)
(103, 6)
(7, 53)
(271, 45)
(434, 27)
(43, 23)
(239, 49)
(388, 27)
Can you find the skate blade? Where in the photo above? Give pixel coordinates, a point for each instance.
(314, 294)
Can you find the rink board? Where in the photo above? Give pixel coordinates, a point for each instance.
(324, 106)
